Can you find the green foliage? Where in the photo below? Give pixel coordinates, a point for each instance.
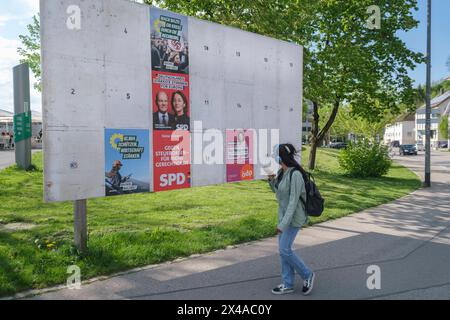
(346, 61)
(443, 128)
(349, 123)
(440, 87)
(31, 50)
(304, 111)
(437, 89)
(365, 159)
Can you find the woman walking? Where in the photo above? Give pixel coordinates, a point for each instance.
(288, 186)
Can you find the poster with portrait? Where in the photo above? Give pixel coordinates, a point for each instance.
(239, 155)
(169, 41)
(171, 109)
(127, 168)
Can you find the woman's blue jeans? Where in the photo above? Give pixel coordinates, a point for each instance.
(290, 262)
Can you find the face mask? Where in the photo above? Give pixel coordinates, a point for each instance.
(275, 154)
(278, 159)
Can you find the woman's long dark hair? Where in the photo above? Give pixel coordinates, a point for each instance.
(287, 153)
(185, 109)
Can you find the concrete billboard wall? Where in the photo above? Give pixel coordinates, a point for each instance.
(97, 92)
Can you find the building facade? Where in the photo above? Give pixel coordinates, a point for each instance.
(403, 131)
(440, 107)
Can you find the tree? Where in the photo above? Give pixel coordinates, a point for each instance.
(348, 63)
(305, 111)
(443, 128)
(31, 52)
(347, 123)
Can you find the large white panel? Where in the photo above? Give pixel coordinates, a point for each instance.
(99, 76)
(238, 111)
(204, 169)
(290, 66)
(207, 101)
(127, 33)
(206, 41)
(266, 112)
(239, 56)
(265, 61)
(57, 18)
(74, 92)
(128, 96)
(74, 165)
(94, 77)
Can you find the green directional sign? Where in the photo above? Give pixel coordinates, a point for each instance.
(22, 126)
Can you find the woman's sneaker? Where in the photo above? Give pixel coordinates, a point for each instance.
(308, 284)
(281, 289)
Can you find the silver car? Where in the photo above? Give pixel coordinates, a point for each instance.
(420, 146)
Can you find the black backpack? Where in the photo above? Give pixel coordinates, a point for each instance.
(314, 203)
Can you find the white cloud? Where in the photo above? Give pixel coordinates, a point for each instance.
(8, 59)
(4, 19)
(31, 5)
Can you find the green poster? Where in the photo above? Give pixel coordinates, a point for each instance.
(22, 126)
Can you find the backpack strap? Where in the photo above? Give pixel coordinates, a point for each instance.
(290, 177)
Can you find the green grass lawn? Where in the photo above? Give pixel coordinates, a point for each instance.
(137, 230)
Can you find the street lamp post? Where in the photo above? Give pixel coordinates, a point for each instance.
(428, 104)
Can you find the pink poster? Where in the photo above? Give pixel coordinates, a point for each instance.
(239, 155)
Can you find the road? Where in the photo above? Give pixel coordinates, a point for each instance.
(408, 240)
(8, 158)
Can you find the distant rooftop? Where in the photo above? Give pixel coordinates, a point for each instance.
(406, 117)
(8, 115)
(4, 113)
(438, 100)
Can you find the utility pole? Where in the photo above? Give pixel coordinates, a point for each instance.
(22, 116)
(428, 104)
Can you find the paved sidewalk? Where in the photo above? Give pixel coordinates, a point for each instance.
(7, 158)
(409, 239)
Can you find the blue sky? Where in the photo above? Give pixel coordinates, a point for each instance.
(16, 14)
(440, 35)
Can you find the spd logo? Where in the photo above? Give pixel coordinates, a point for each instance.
(172, 179)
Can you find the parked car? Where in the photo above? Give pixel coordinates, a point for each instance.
(419, 146)
(338, 145)
(395, 144)
(408, 149)
(442, 144)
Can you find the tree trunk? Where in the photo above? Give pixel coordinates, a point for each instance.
(316, 136)
(312, 155)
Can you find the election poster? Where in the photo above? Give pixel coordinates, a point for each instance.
(171, 160)
(171, 109)
(127, 159)
(171, 101)
(169, 41)
(239, 155)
